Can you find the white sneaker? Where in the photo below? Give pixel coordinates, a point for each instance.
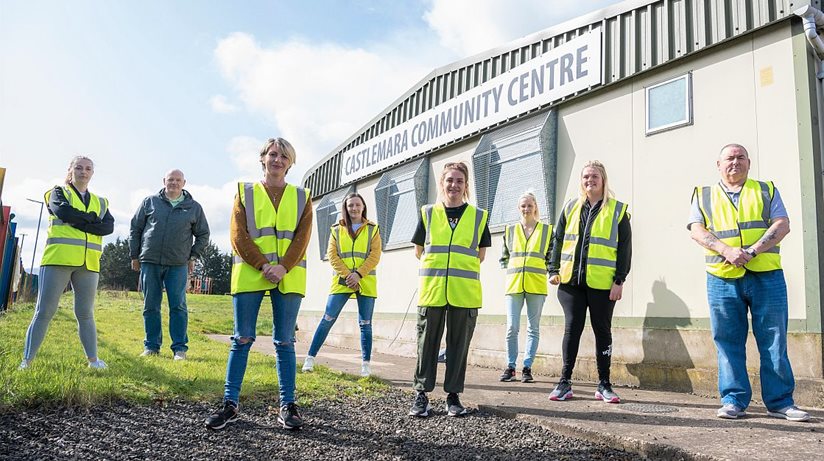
(791, 413)
(180, 355)
(365, 370)
(24, 365)
(98, 365)
(309, 364)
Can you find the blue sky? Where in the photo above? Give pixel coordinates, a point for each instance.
(143, 87)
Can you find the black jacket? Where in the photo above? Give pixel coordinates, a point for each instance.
(161, 234)
(60, 207)
(588, 215)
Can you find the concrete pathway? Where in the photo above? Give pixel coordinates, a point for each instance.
(660, 425)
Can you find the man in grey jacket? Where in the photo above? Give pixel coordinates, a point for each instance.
(162, 250)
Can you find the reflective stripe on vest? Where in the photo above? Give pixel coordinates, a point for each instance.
(738, 227)
(526, 269)
(272, 231)
(360, 249)
(68, 246)
(450, 270)
(602, 256)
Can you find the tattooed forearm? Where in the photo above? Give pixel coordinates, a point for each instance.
(709, 240)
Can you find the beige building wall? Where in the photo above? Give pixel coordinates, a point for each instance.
(743, 92)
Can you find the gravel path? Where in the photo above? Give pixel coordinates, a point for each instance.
(350, 428)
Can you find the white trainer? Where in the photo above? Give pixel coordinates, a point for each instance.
(98, 365)
(180, 355)
(309, 364)
(365, 369)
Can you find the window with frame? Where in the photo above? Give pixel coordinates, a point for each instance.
(327, 214)
(399, 196)
(669, 104)
(513, 159)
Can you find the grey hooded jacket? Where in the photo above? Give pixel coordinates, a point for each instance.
(161, 234)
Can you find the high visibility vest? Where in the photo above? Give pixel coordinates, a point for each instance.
(68, 246)
(526, 269)
(353, 254)
(450, 269)
(272, 231)
(738, 228)
(602, 256)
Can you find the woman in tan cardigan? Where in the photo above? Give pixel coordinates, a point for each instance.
(354, 251)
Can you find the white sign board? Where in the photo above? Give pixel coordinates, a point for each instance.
(569, 68)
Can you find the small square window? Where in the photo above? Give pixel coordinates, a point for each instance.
(669, 104)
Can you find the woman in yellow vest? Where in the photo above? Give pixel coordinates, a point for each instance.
(354, 251)
(592, 249)
(270, 228)
(525, 258)
(78, 220)
(450, 241)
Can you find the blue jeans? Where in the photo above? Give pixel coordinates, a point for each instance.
(534, 306)
(284, 316)
(334, 304)
(764, 294)
(153, 278)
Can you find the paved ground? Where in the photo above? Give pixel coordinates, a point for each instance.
(661, 425)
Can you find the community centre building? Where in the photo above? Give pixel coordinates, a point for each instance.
(651, 88)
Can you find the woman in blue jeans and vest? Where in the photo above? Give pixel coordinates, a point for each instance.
(354, 251)
(78, 220)
(591, 254)
(525, 258)
(270, 228)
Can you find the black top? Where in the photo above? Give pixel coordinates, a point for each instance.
(453, 215)
(60, 206)
(588, 214)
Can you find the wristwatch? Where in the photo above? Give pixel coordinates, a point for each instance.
(750, 251)
(618, 282)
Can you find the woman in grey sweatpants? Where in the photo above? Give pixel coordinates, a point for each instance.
(78, 220)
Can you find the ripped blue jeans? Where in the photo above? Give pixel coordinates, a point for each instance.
(334, 305)
(284, 316)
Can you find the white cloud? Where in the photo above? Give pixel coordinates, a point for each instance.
(221, 105)
(317, 95)
(472, 26)
(243, 150)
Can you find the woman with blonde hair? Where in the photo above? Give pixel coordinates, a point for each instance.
(525, 258)
(451, 240)
(78, 220)
(592, 250)
(270, 228)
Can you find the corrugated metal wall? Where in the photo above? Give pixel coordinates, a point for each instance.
(635, 39)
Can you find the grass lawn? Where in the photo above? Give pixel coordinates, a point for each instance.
(59, 375)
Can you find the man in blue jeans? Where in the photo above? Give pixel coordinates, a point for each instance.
(740, 223)
(162, 250)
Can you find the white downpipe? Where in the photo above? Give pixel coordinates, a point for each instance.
(813, 20)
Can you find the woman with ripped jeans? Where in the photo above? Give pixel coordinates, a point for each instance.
(270, 230)
(354, 251)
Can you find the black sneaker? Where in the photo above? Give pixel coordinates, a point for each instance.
(562, 391)
(508, 374)
(453, 405)
(526, 375)
(421, 406)
(289, 416)
(219, 419)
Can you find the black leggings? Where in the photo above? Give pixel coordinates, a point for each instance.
(575, 299)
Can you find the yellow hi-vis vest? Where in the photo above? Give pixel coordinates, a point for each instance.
(602, 256)
(353, 254)
(738, 228)
(68, 246)
(526, 269)
(450, 270)
(272, 231)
